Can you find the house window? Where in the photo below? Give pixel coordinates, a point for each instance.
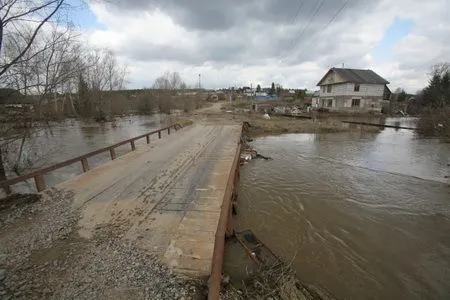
(355, 102)
(330, 103)
(356, 89)
(329, 88)
(323, 89)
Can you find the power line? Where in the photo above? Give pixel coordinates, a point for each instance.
(298, 11)
(333, 18)
(316, 12)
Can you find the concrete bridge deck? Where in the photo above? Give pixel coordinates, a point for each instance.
(164, 198)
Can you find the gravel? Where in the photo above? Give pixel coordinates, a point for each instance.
(37, 225)
(42, 257)
(104, 271)
(16, 206)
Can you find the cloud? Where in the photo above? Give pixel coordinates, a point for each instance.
(291, 42)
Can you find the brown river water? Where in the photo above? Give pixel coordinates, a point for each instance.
(360, 215)
(72, 137)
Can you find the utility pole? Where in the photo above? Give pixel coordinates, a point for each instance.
(199, 81)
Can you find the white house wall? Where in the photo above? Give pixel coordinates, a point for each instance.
(332, 78)
(347, 89)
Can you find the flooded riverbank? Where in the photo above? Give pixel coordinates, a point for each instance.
(361, 215)
(72, 137)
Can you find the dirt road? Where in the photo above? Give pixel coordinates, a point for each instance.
(124, 230)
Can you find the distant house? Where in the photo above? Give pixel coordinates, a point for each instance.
(266, 98)
(353, 90)
(315, 101)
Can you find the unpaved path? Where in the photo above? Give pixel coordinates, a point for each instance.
(126, 229)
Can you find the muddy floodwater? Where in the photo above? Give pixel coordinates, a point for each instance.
(70, 138)
(360, 215)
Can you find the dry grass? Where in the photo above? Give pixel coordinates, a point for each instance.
(277, 124)
(435, 123)
(281, 125)
(276, 282)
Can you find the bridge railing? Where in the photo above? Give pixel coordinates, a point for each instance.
(38, 175)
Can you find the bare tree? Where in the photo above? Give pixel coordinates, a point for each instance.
(42, 77)
(162, 82)
(439, 69)
(102, 73)
(15, 13)
(176, 83)
(169, 81)
(46, 66)
(115, 72)
(50, 72)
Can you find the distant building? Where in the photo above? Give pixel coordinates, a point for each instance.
(315, 101)
(249, 92)
(266, 98)
(353, 90)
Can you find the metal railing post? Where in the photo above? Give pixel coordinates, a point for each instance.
(168, 130)
(112, 152)
(85, 164)
(133, 146)
(159, 134)
(148, 139)
(39, 181)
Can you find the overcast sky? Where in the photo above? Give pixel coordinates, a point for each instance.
(292, 42)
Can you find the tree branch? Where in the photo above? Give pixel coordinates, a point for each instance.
(30, 42)
(37, 53)
(10, 4)
(35, 9)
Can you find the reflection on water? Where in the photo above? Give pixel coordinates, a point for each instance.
(72, 138)
(366, 216)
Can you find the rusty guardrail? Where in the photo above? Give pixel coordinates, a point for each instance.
(224, 229)
(38, 175)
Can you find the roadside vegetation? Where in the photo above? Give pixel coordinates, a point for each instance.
(431, 104)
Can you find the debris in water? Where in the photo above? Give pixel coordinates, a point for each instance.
(248, 153)
(274, 277)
